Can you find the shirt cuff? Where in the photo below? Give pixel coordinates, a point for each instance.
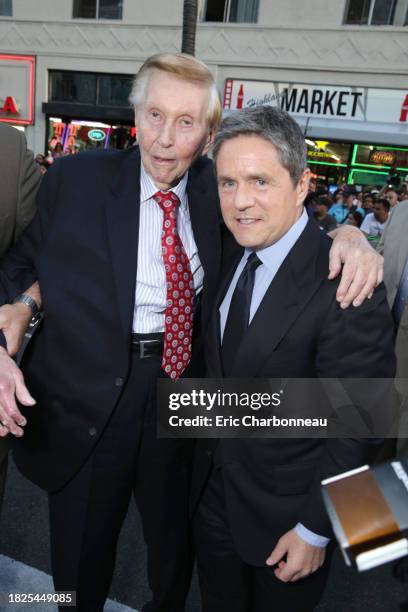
(310, 537)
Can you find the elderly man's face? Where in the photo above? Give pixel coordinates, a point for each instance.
(259, 202)
(172, 127)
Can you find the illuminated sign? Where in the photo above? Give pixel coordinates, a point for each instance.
(17, 75)
(324, 101)
(9, 106)
(96, 135)
(382, 158)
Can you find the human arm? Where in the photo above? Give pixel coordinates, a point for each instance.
(15, 318)
(353, 344)
(12, 387)
(301, 558)
(362, 266)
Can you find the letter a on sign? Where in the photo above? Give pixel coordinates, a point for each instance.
(404, 109)
(10, 106)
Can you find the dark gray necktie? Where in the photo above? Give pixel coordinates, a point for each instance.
(238, 313)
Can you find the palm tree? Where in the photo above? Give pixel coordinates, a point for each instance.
(190, 10)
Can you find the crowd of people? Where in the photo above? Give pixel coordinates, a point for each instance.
(367, 209)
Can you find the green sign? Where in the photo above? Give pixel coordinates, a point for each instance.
(96, 135)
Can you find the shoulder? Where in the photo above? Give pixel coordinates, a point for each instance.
(100, 165)
(9, 134)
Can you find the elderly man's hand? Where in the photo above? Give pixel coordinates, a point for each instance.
(362, 269)
(302, 559)
(14, 320)
(12, 386)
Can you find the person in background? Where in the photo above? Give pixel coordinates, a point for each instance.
(355, 219)
(312, 185)
(341, 211)
(326, 222)
(392, 196)
(368, 202)
(374, 223)
(19, 182)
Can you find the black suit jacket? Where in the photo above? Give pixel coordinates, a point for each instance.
(83, 246)
(298, 331)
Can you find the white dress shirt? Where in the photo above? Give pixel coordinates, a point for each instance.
(150, 298)
(272, 257)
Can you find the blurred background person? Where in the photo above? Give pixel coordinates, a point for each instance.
(368, 202)
(341, 211)
(355, 218)
(374, 223)
(19, 180)
(392, 196)
(326, 222)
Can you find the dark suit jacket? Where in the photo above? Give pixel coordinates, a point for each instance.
(299, 331)
(82, 246)
(20, 179)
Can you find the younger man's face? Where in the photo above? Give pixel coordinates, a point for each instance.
(259, 201)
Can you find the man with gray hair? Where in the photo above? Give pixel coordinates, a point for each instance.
(127, 249)
(260, 525)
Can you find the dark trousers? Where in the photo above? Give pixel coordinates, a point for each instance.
(87, 514)
(227, 583)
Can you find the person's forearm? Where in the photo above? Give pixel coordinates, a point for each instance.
(35, 294)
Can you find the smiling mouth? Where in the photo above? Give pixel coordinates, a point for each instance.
(246, 221)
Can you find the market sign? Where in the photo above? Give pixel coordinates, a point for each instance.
(96, 135)
(382, 158)
(324, 101)
(17, 74)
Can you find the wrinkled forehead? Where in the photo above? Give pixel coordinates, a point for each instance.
(168, 89)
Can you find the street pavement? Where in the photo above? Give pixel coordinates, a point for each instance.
(24, 538)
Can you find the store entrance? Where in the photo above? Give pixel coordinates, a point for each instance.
(330, 175)
(69, 136)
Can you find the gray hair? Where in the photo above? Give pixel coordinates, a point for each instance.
(274, 125)
(185, 67)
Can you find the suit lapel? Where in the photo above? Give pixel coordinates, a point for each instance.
(122, 215)
(205, 222)
(296, 281)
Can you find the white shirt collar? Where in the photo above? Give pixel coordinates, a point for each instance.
(280, 249)
(148, 188)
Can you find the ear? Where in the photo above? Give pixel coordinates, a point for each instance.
(302, 188)
(210, 140)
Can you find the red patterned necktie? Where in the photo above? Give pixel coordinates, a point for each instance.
(178, 330)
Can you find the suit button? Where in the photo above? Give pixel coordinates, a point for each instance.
(209, 453)
(119, 382)
(92, 431)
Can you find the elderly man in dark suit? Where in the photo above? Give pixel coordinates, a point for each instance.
(127, 249)
(260, 526)
(19, 181)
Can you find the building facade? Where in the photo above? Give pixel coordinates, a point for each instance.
(339, 66)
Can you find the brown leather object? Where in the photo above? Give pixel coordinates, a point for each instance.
(362, 510)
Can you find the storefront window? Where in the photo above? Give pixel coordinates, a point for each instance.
(73, 136)
(114, 90)
(6, 9)
(77, 87)
(380, 157)
(90, 88)
(328, 160)
(327, 152)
